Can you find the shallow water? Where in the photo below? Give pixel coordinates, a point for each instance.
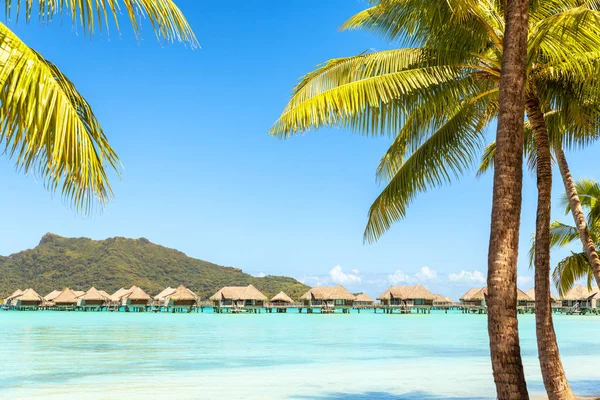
(49, 354)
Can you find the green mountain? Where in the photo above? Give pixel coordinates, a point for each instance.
(110, 264)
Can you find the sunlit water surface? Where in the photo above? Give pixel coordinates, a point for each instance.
(56, 355)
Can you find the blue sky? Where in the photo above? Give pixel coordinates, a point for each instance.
(202, 175)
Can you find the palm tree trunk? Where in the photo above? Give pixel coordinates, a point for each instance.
(553, 374)
(503, 326)
(578, 215)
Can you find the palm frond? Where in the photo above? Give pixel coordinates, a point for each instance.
(562, 235)
(371, 105)
(570, 270)
(48, 128)
(445, 155)
(166, 19)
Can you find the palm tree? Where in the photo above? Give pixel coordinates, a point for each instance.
(577, 265)
(503, 327)
(438, 104)
(48, 128)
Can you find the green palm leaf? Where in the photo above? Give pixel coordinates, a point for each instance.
(570, 270)
(48, 128)
(165, 17)
(446, 154)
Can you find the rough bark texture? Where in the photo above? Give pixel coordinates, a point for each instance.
(553, 374)
(578, 215)
(503, 326)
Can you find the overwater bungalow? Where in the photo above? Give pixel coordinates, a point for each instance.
(280, 302)
(159, 299)
(49, 298)
(93, 299)
(555, 302)
(7, 301)
(328, 299)
(238, 298)
(581, 297)
(442, 302)
(67, 299)
(135, 299)
(406, 298)
(28, 300)
(281, 299)
(181, 299)
(363, 300)
(475, 300)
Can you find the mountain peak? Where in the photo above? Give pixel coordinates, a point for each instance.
(48, 237)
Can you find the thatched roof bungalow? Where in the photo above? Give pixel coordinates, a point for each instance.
(406, 296)
(469, 299)
(49, 298)
(135, 298)
(555, 301)
(363, 300)
(181, 298)
(238, 297)
(29, 299)
(93, 298)
(8, 300)
(281, 299)
(328, 297)
(478, 297)
(441, 301)
(67, 299)
(583, 297)
(159, 299)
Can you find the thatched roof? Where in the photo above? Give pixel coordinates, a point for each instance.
(16, 293)
(480, 294)
(579, 292)
(108, 296)
(328, 293)
(239, 293)
(468, 296)
(531, 294)
(116, 296)
(79, 293)
(183, 294)
(29, 295)
(521, 295)
(282, 297)
(164, 293)
(94, 294)
(407, 293)
(52, 295)
(364, 297)
(135, 293)
(441, 299)
(66, 296)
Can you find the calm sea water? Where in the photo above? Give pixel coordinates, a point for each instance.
(105, 355)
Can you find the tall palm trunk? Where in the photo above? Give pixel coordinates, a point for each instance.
(553, 374)
(578, 215)
(503, 327)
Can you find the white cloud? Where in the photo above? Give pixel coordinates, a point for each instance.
(314, 280)
(523, 280)
(467, 277)
(397, 277)
(356, 271)
(337, 275)
(426, 274)
(260, 275)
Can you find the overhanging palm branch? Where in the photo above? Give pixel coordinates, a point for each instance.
(570, 270)
(48, 128)
(165, 17)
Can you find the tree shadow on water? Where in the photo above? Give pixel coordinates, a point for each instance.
(384, 396)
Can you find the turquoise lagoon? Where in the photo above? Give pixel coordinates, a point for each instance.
(102, 355)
